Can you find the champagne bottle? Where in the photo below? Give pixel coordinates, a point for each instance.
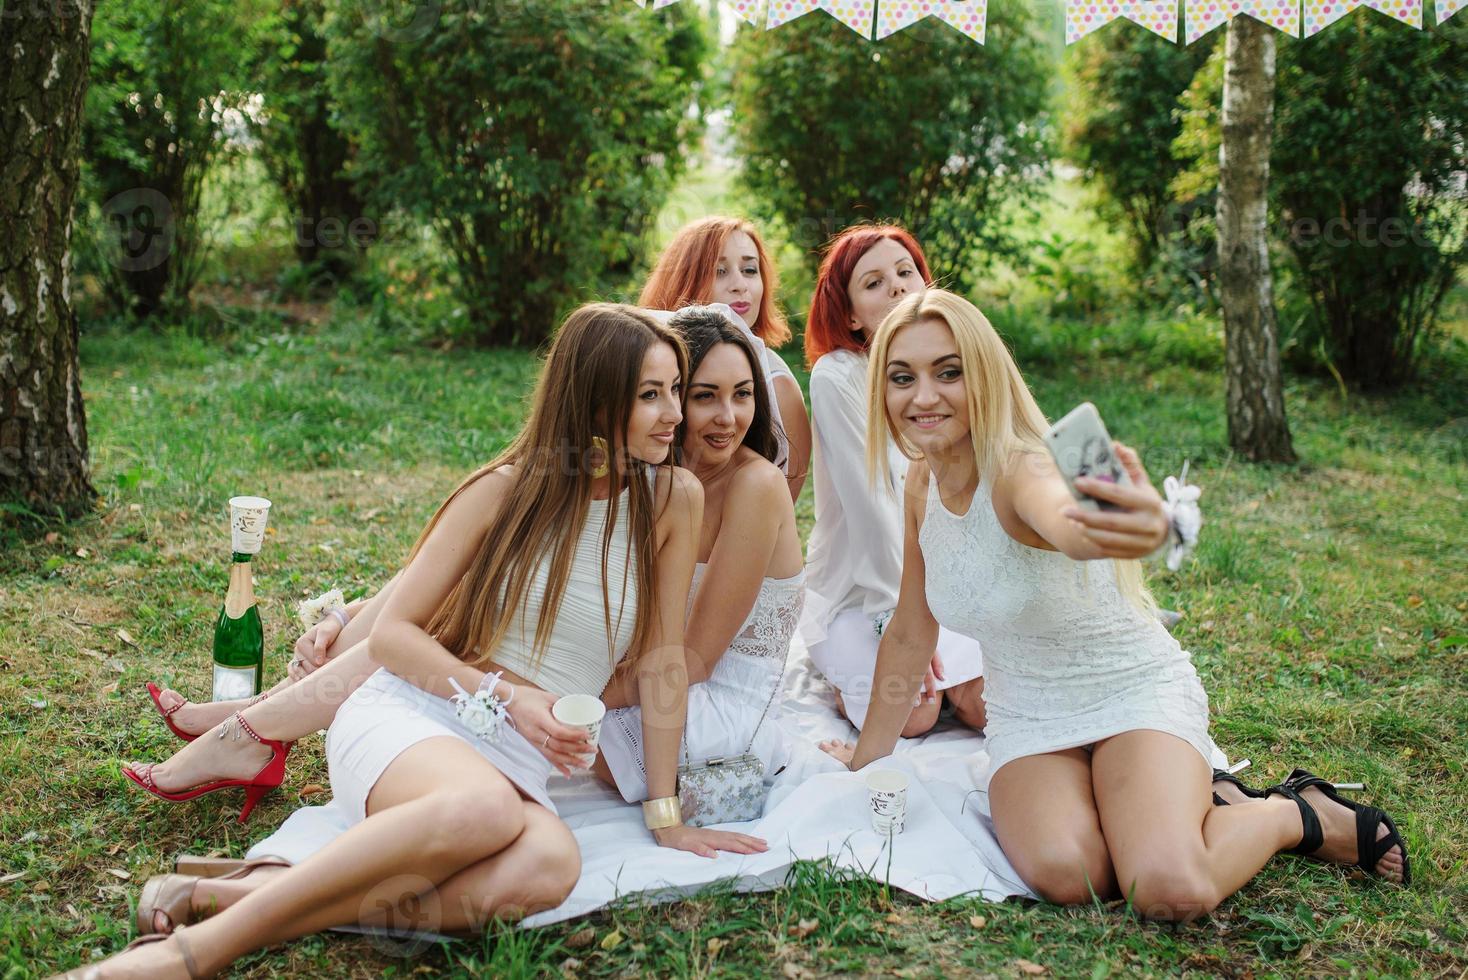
(239, 637)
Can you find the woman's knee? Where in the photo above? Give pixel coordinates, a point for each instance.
(1170, 888)
(475, 822)
(968, 704)
(921, 721)
(556, 859)
(1069, 873)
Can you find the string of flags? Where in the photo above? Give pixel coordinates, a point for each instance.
(877, 19)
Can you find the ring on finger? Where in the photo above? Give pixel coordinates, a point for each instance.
(546, 742)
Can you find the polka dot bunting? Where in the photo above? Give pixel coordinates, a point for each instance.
(1447, 8)
(784, 11)
(966, 16)
(1084, 16)
(855, 14)
(1320, 14)
(1205, 15)
(748, 10)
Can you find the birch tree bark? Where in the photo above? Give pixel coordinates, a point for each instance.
(43, 79)
(1257, 429)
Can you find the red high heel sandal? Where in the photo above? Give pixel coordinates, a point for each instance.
(271, 775)
(153, 691)
(167, 713)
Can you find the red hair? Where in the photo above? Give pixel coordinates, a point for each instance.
(684, 274)
(828, 327)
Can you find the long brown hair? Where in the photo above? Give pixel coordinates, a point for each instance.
(587, 388)
(684, 274)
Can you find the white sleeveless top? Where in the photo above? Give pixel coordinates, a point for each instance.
(1068, 660)
(577, 659)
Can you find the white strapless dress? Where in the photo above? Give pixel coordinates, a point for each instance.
(732, 712)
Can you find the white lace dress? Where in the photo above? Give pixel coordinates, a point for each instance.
(725, 711)
(1068, 661)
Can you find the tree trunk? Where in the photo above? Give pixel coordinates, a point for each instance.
(43, 429)
(1256, 416)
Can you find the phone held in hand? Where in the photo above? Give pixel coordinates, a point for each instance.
(1081, 446)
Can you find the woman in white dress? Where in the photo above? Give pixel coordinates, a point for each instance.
(560, 563)
(854, 560)
(748, 584)
(723, 260)
(1098, 725)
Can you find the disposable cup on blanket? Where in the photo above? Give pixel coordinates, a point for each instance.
(887, 799)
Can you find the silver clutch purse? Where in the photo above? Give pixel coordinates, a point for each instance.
(725, 789)
(722, 790)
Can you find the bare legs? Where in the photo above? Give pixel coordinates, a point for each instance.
(968, 704)
(304, 707)
(523, 879)
(294, 710)
(442, 823)
(1134, 819)
(197, 717)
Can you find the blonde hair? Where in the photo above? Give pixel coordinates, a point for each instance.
(587, 388)
(1005, 422)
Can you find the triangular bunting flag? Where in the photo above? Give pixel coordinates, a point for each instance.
(1447, 8)
(894, 15)
(748, 10)
(969, 17)
(1084, 16)
(1205, 15)
(784, 11)
(1320, 14)
(855, 14)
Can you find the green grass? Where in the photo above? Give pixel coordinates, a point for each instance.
(1325, 611)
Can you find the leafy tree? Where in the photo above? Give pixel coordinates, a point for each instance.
(43, 422)
(1367, 195)
(167, 80)
(949, 137)
(538, 138)
(302, 147)
(1121, 119)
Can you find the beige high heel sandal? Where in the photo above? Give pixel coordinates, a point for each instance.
(219, 867)
(173, 895)
(94, 971)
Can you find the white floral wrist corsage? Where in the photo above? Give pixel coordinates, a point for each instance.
(483, 712)
(332, 603)
(1184, 517)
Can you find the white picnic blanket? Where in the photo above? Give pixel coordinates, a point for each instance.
(817, 810)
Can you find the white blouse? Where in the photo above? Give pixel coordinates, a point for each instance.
(854, 559)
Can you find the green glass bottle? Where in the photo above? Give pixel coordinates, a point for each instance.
(239, 637)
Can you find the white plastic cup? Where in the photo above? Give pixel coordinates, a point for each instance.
(581, 711)
(247, 519)
(887, 799)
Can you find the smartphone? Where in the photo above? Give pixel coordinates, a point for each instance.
(1081, 446)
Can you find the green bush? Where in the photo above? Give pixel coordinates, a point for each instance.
(949, 137)
(538, 139)
(1366, 187)
(1121, 118)
(166, 92)
(303, 149)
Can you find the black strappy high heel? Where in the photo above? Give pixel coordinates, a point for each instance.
(1224, 776)
(1369, 850)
